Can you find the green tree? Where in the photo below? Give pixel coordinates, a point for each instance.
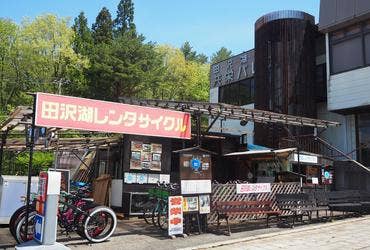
(222, 54)
(182, 79)
(191, 55)
(123, 68)
(202, 58)
(10, 82)
(103, 27)
(46, 45)
(83, 38)
(124, 21)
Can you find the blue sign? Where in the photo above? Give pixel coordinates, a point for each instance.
(326, 174)
(39, 227)
(195, 164)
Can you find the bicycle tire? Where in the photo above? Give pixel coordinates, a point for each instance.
(80, 218)
(162, 217)
(14, 218)
(19, 232)
(107, 213)
(147, 216)
(154, 215)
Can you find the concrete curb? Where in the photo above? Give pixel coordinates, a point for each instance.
(270, 235)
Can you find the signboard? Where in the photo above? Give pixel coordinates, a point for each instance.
(204, 204)
(175, 215)
(326, 176)
(315, 180)
(190, 204)
(306, 158)
(195, 165)
(252, 188)
(233, 69)
(39, 228)
(65, 179)
(93, 115)
(196, 187)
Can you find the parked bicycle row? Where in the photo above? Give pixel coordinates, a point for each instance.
(76, 213)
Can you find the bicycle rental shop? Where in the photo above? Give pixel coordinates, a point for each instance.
(125, 149)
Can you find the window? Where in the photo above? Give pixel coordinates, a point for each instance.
(347, 55)
(321, 91)
(367, 48)
(350, 48)
(239, 93)
(363, 126)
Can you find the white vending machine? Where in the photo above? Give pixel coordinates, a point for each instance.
(13, 190)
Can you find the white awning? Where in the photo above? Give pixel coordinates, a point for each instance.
(256, 152)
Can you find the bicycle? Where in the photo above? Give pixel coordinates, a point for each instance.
(155, 210)
(162, 215)
(91, 221)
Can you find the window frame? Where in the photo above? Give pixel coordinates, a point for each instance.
(362, 33)
(239, 101)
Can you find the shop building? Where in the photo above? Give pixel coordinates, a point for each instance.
(319, 71)
(346, 26)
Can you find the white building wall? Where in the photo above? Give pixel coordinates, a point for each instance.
(343, 137)
(213, 95)
(349, 90)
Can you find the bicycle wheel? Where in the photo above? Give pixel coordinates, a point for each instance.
(100, 224)
(162, 217)
(154, 214)
(80, 218)
(14, 218)
(147, 214)
(20, 232)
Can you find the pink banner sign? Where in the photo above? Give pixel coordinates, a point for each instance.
(251, 188)
(93, 115)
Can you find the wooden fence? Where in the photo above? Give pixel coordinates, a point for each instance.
(227, 192)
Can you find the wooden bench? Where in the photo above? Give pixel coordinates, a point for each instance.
(298, 205)
(225, 209)
(345, 201)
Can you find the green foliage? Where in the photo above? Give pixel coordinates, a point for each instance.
(103, 27)
(83, 38)
(181, 79)
(122, 68)
(124, 21)
(222, 54)
(192, 55)
(18, 164)
(36, 56)
(106, 62)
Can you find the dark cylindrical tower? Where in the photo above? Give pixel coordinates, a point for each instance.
(284, 71)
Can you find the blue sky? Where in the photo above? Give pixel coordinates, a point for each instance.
(206, 24)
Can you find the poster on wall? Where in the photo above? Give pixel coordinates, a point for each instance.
(153, 178)
(142, 178)
(130, 178)
(135, 164)
(204, 204)
(156, 148)
(146, 156)
(136, 146)
(190, 204)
